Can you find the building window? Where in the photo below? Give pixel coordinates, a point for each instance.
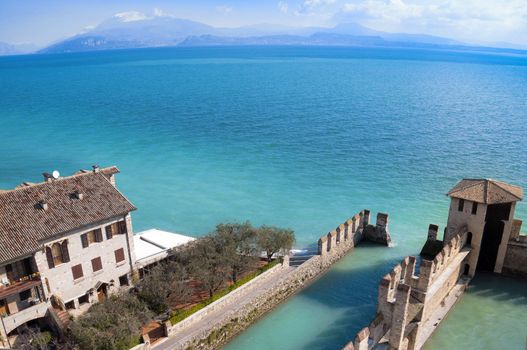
(123, 280)
(122, 227)
(77, 272)
(96, 264)
(70, 305)
(4, 309)
(85, 299)
(25, 295)
(119, 255)
(57, 254)
(91, 237)
(474, 208)
(56, 251)
(460, 205)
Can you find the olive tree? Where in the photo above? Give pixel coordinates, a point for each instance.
(207, 264)
(238, 247)
(273, 240)
(163, 284)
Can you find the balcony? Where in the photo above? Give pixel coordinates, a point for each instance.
(19, 285)
(21, 302)
(32, 312)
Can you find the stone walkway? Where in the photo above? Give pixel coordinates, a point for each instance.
(218, 315)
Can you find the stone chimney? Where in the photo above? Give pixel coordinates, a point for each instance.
(47, 177)
(77, 194)
(43, 205)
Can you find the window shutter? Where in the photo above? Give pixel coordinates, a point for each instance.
(96, 264)
(84, 239)
(122, 227)
(77, 271)
(119, 255)
(65, 252)
(49, 256)
(109, 233)
(98, 235)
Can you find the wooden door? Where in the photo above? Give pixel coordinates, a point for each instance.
(101, 293)
(4, 309)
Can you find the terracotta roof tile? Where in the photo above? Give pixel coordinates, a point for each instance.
(486, 191)
(24, 224)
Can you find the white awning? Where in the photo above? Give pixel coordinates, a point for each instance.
(153, 245)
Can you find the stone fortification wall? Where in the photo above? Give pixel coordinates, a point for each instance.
(515, 263)
(407, 301)
(332, 247)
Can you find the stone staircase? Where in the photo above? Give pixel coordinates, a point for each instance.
(64, 318)
(60, 317)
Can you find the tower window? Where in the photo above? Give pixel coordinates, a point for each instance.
(461, 204)
(474, 208)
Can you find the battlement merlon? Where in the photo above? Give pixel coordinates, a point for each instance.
(432, 232)
(361, 340)
(516, 229)
(400, 315)
(409, 269)
(322, 245)
(378, 233)
(425, 275)
(365, 217)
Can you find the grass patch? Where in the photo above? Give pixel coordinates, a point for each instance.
(180, 315)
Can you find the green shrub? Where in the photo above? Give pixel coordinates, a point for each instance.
(114, 324)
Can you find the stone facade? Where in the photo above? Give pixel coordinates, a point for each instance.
(77, 294)
(481, 233)
(78, 249)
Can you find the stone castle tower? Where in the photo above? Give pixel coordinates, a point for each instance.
(486, 208)
(416, 295)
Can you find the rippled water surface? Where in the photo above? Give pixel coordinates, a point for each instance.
(296, 137)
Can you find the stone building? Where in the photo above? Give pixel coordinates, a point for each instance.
(486, 208)
(64, 244)
(481, 235)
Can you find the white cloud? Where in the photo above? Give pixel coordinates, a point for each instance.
(224, 9)
(283, 7)
(159, 13)
(470, 20)
(389, 10)
(309, 6)
(131, 16)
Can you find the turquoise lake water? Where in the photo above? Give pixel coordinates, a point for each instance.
(295, 137)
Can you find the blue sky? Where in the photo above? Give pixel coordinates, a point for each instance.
(473, 21)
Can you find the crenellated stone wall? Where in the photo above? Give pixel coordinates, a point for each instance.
(515, 263)
(332, 247)
(409, 302)
(352, 232)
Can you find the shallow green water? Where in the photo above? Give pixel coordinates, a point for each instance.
(295, 137)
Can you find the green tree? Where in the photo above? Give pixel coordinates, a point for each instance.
(207, 264)
(239, 248)
(273, 240)
(165, 283)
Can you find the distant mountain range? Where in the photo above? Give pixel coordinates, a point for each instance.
(128, 31)
(10, 49)
(135, 30)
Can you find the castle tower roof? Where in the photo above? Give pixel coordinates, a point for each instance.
(486, 191)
